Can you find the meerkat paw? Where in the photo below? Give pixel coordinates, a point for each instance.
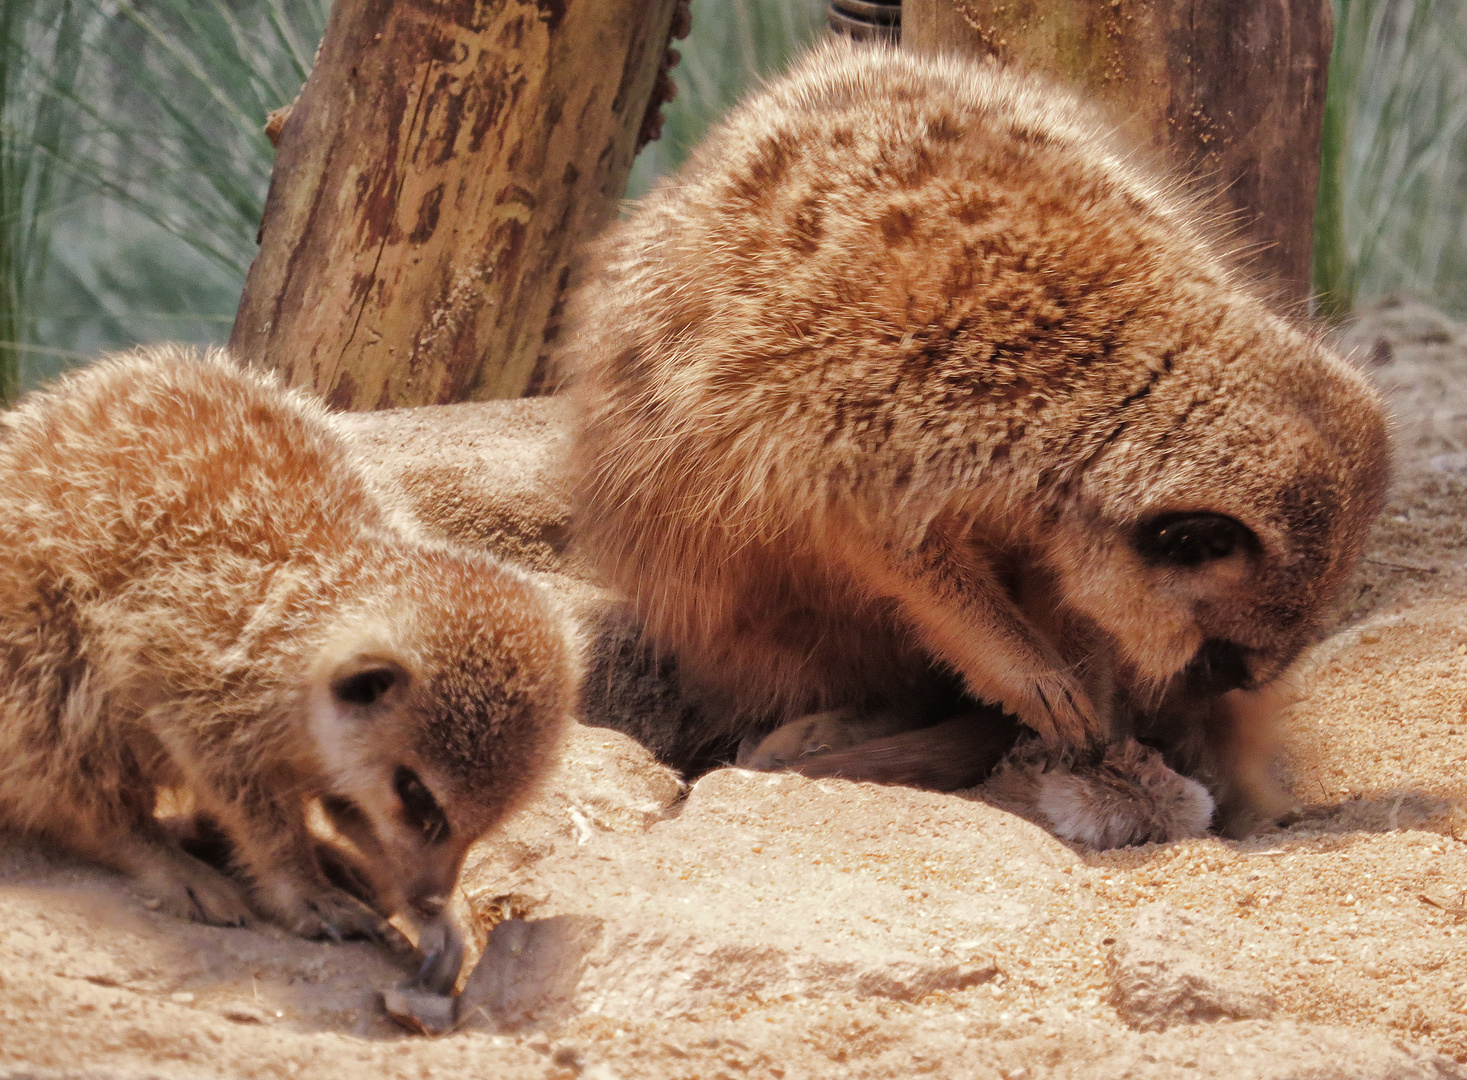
(1128, 797)
(1059, 710)
(322, 911)
(185, 887)
(817, 733)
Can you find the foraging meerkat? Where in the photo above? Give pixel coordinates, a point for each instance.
(201, 590)
(912, 391)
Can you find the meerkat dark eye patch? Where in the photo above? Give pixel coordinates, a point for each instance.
(367, 687)
(419, 808)
(1191, 539)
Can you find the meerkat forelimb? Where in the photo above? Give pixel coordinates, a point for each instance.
(911, 372)
(201, 589)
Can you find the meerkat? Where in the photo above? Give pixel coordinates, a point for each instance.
(914, 392)
(202, 591)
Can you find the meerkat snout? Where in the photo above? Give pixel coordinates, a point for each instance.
(1209, 550)
(1214, 550)
(1188, 569)
(418, 720)
(381, 801)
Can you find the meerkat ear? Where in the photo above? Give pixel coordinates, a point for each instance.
(363, 682)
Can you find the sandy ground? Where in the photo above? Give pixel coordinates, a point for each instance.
(763, 925)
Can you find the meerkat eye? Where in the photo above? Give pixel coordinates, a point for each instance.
(1191, 539)
(367, 687)
(418, 805)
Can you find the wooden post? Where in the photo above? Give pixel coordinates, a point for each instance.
(431, 186)
(1232, 92)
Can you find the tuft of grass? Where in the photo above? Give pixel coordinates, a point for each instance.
(35, 127)
(163, 157)
(1392, 209)
(177, 135)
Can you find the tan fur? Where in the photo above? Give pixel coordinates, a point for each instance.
(194, 568)
(1129, 796)
(887, 382)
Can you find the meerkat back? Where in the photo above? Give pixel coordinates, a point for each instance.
(201, 589)
(911, 387)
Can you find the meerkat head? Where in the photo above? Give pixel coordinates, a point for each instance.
(1226, 507)
(435, 709)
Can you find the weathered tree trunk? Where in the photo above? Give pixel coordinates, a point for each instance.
(431, 186)
(1230, 90)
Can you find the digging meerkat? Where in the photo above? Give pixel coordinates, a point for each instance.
(913, 394)
(201, 590)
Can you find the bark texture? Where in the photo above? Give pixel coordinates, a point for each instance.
(1232, 91)
(432, 184)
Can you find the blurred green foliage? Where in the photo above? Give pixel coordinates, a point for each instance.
(139, 218)
(142, 165)
(1392, 211)
(36, 129)
(733, 44)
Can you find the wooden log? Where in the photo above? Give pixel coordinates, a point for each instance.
(432, 184)
(1230, 91)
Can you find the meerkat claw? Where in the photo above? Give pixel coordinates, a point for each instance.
(330, 929)
(1063, 719)
(205, 914)
(189, 889)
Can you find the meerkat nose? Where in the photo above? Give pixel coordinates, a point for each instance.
(1218, 667)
